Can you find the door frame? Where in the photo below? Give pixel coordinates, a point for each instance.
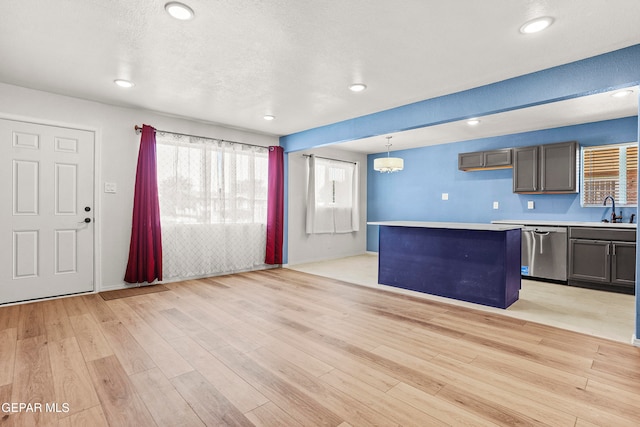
(97, 174)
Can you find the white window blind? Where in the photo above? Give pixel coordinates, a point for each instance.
(610, 170)
(332, 196)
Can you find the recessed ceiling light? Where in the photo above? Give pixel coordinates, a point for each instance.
(124, 83)
(269, 117)
(179, 10)
(473, 122)
(357, 87)
(622, 93)
(536, 25)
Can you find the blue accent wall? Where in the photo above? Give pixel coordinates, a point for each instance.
(415, 194)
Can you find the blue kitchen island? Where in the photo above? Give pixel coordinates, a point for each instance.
(478, 263)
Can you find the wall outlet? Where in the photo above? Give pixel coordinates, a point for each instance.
(496, 205)
(530, 204)
(445, 196)
(110, 187)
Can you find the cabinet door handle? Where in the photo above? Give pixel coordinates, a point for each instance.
(613, 247)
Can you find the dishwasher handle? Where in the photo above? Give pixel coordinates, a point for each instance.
(544, 230)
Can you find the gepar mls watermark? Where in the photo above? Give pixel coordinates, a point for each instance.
(18, 407)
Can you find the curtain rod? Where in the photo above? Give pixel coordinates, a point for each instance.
(138, 130)
(329, 158)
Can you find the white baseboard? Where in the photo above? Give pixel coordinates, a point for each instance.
(635, 341)
(123, 285)
(327, 258)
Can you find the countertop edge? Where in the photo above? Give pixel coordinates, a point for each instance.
(607, 225)
(448, 225)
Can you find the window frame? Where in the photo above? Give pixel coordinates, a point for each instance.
(219, 188)
(332, 196)
(620, 189)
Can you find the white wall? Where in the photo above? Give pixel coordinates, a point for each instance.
(117, 154)
(317, 247)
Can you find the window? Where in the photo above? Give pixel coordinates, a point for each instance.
(213, 206)
(332, 196)
(333, 189)
(610, 170)
(202, 182)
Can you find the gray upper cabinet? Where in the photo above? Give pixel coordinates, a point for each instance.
(550, 168)
(558, 166)
(525, 169)
(470, 161)
(493, 159)
(497, 158)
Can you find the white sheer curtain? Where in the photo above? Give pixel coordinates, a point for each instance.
(332, 196)
(213, 206)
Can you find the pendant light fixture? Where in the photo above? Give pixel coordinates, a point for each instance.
(388, 164)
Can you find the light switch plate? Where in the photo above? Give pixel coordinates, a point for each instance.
(496, 205)
(530, 204)
(110, 187)
(445, 196)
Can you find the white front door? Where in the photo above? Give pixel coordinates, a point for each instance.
(46, 195)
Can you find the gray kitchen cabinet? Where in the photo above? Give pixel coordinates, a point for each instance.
(493, 159)
(549, 168)
(497, 158)
(470, 161)
(525, 169)
(589, 260)
(623, 264)
(602, 258)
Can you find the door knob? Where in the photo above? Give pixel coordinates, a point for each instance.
(87, 220)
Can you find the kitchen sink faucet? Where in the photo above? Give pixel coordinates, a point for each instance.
(614, 218)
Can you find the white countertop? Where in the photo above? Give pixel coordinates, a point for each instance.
(449, 225)
(566, 223)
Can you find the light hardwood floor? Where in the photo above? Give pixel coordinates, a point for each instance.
(605, 314)
(287, 348)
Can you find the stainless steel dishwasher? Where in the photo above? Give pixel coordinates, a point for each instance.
(544, 252)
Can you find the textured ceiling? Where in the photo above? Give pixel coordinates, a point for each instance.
(241, 59)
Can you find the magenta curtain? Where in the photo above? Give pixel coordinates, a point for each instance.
(145, 250)
(275, 206)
